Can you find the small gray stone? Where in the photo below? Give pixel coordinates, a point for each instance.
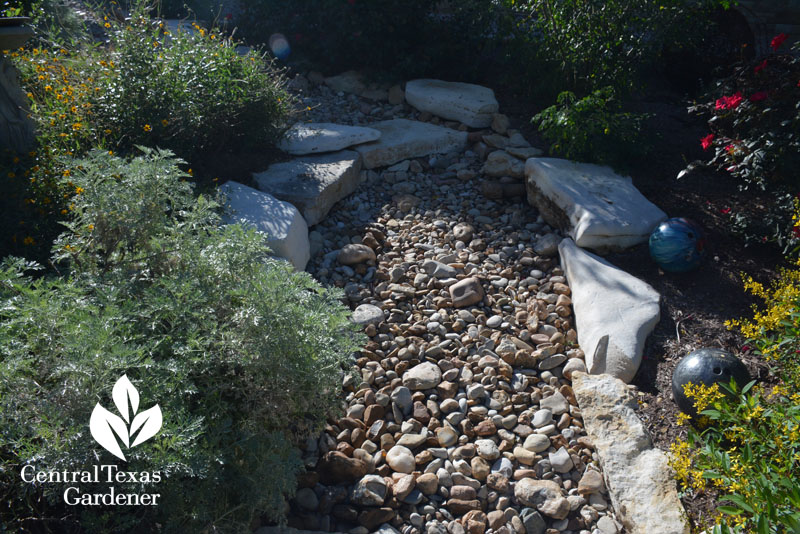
(423, 376)
(367, 314)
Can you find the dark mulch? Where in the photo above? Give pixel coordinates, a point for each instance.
(694, 305)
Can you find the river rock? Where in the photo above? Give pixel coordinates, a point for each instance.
(467, 292)
(369, 491)
(544, 495)
(367, 314)
(423, 376)
(336, 468)
(401, 459)
(354, 254)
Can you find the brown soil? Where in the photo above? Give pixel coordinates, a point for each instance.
(695, 305)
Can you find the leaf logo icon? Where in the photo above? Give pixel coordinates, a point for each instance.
(108, 429)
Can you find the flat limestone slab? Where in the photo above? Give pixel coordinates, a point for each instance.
(469, 104)
(312, 183)
(320, 137)
(614, 311)
(405, 139)
(600, 209)
(637, 475)
(287, 231)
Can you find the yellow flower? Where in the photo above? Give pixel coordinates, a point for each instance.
(11, 174)
(48, 88)
(147, 127)
(164, 122)
(190, 172)
(66, 172)
(107, 25)
(77, 126)
(90, 227)
(78, 190)
(28, 241)
(107, 131)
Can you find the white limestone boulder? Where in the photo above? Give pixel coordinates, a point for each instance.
(321, 137)
(403, 139)
(469, 104)
(600, 209)
(614, 311)
(312, 183)
(637, 475)
(287, 231)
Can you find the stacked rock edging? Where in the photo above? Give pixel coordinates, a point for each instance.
(467, 103)
(614, 312)
(639, 478)
(320, 137)
(312, 183)
(600, 209)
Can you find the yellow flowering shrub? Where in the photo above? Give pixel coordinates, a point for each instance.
(748, 446)
(190, 92)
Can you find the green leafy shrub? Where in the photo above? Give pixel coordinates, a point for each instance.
(598, 43)
(593, 129)
(190, 92)
(228, 341)
(749, 449)
(754, 136)
(405, 39)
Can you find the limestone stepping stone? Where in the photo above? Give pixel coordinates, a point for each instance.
(614, 311)
(312, 183)
(287, 231)
(469, 104)
(600, 209)
(406, 139)
(637, 474)
(320, 137)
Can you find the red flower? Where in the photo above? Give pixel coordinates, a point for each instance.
(706, 141)
(725, 211)
(760, 67)
(229, 16)
(730, 102)
(778, 40)
(796, 231)
(756, 97)
(745, 348)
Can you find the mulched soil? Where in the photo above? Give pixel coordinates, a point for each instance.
(695, 305)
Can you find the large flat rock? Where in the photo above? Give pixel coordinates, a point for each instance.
(600, 209)
(614, 311)
(637, 475)
(312, 183)
(287, 231)
(404, 139)
(321, 137)
(469, 104)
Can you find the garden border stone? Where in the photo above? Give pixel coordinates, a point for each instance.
(637, 474)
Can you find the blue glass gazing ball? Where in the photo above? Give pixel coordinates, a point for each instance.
(677, 245)
(706, 366)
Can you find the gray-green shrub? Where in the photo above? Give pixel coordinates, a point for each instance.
(243, 355)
